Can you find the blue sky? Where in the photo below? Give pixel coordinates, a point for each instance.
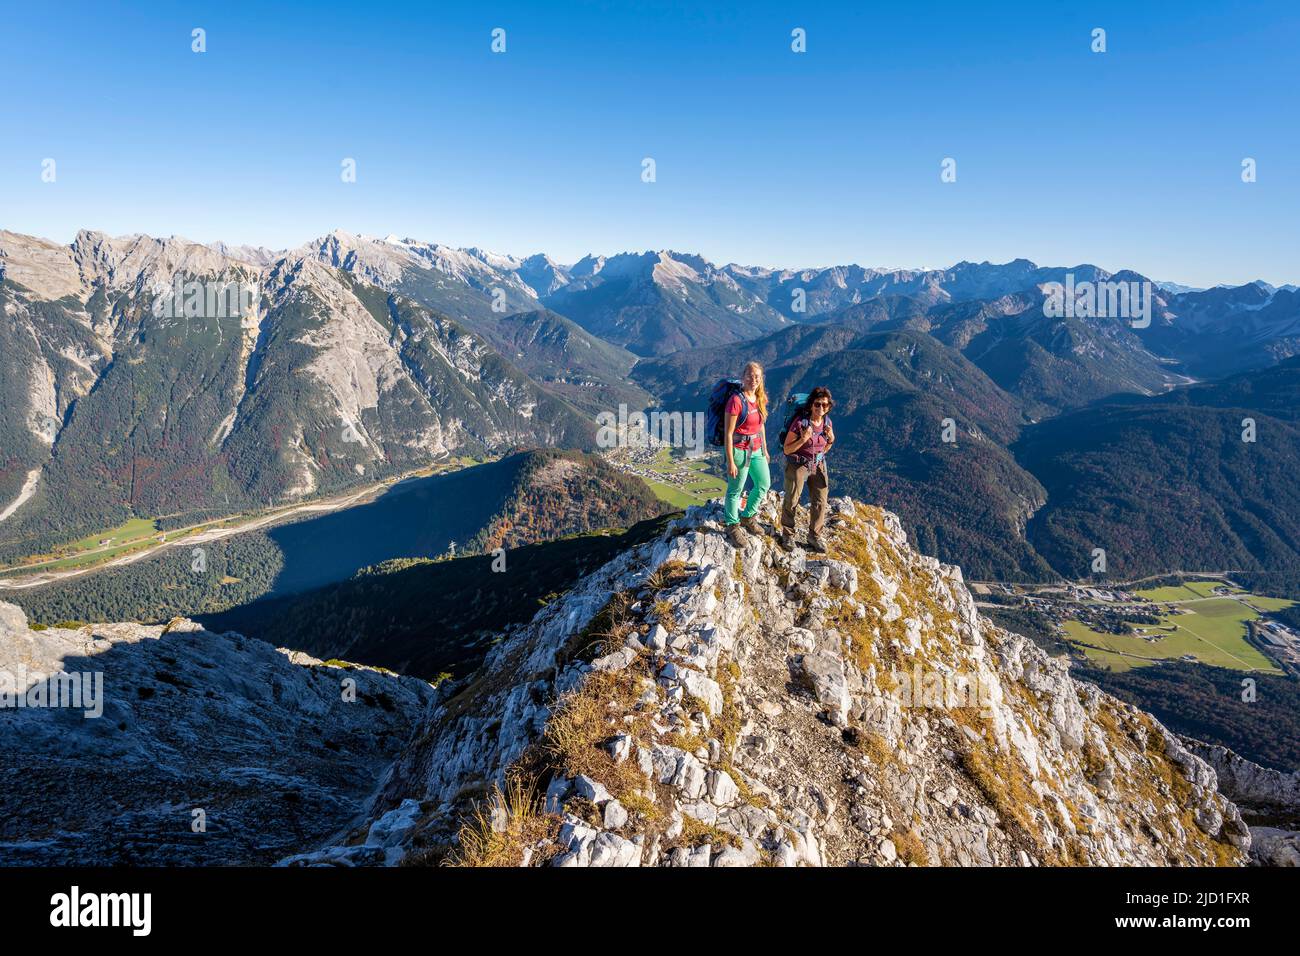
(1127, 159)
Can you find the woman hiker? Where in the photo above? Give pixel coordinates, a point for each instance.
(745, 447)
(808, 438)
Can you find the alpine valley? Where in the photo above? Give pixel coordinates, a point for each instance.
(380, 464)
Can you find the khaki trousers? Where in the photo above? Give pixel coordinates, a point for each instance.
(796, 476)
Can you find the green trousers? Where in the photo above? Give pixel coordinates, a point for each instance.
(749, 464)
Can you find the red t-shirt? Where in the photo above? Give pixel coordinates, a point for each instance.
(751, 426)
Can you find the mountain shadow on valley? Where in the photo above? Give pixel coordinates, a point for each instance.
(524, 498)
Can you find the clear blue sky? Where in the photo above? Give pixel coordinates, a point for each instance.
(1129, 158)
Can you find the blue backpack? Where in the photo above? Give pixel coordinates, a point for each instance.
(715, 426)
(794, 404)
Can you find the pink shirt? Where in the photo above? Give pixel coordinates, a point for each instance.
(753, 424)
(815, 445)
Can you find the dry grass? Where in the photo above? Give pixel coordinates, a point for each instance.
(1093, 760)
(727, 724)
(663, 612)
(524, 825)
(669, 574)
(995, 776)
(694, 833)
(586, 719)
(874, 746)
(911, 849)
(688, 742)
(636, 802)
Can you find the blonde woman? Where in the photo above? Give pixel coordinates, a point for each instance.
(745, 448)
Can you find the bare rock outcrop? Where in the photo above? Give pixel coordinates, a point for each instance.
(1269, 800)
(152, 745)
(691, 704)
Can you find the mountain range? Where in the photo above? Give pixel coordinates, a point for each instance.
(669, 698)
(363, 358)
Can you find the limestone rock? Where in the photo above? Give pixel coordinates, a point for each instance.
(768, 718)
(824, 674)
(271, 751)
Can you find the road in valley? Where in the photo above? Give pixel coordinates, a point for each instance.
(182, 539)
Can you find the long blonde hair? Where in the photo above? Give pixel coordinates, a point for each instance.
(760, 390)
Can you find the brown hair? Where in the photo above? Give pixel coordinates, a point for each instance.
(821, 391)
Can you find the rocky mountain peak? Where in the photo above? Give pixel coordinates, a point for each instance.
(116, 263)
(543, 274)
(254, 255)
(587, 266)
(389, 261)
(137, 261)
(692, 704)
(40, 265)
(378, 262)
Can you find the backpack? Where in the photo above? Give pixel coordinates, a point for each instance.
(795, 402)
(715, 426)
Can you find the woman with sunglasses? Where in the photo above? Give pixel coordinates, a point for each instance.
(808, 439)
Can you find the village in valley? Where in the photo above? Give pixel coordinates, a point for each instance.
(681, 477)
(1119, 626)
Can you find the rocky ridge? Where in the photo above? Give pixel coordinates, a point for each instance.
(692, 704)
(206, 749)
(1269, 801)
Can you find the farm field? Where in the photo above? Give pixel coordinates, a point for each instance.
(1212, 630)
(101, 546)
(694, 485)
(1187, 591)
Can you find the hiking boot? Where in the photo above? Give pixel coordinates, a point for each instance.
(816, 544)
(751, 525)
(736, 535)
(786, 541)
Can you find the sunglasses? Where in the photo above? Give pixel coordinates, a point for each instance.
(821, 404)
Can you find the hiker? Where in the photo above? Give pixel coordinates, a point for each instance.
(745, 448)
(807, 438)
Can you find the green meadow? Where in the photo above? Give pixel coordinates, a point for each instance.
(1211, 629)
(699, 487)
(125, 538)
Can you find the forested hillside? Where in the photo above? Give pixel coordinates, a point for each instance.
(429, 617)
(523, 498)
(1163, 486)
(1206, 703)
